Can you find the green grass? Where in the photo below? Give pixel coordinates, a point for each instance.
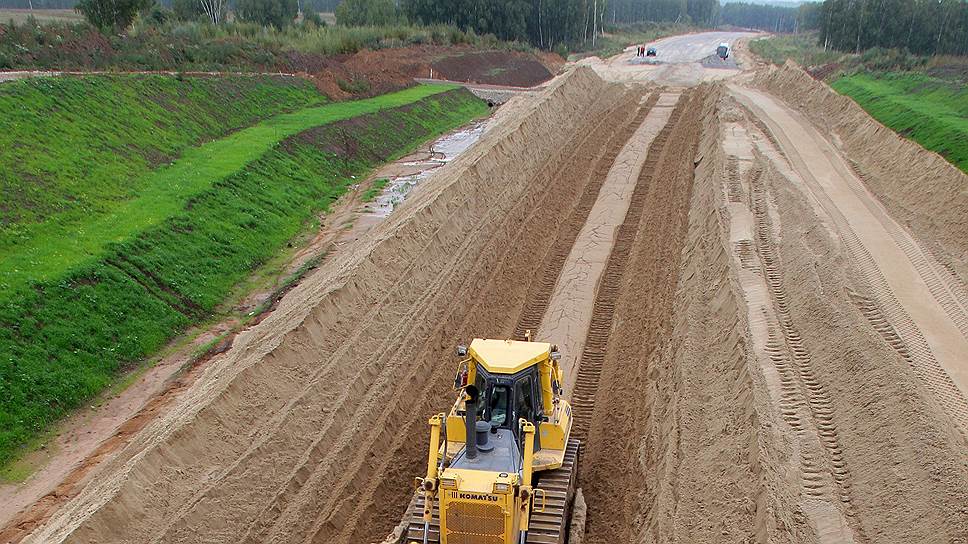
(802, 48)
(37, 448)
(48, 250)
(375, 190)
(930, 111)
(196, 46)
(73, 147)
(201, 226)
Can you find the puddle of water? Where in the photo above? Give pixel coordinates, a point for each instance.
(443, 151)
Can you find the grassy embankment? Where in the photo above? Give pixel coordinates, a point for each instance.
(805, 49)
(930, 111)
(922, 98)
(802, 48)
(82, 297)
(87, 142)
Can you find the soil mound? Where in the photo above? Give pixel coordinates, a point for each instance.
(369, 73)
(493, 68)
(919, 187)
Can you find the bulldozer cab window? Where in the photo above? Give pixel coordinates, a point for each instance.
(497, 405)
(481, 383)
(524, 399)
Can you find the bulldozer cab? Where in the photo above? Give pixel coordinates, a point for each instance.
(508, 399)
(515, 381)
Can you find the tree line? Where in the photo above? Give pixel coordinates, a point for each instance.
(697, 12)
(548, 23)
(924, 27)
(771, 18)
(544, 23)
(37, 4)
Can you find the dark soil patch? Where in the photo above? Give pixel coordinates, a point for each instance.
(493, 68)
(824, 71)
(950, 68)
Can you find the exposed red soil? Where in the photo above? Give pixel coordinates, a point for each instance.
(493, 68)
(387, 70)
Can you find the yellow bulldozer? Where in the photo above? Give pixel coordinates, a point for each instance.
(501, 465)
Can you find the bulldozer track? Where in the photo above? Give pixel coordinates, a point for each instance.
(539, 296)
(610, 285)
(548, 527)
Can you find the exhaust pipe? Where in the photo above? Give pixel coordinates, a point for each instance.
(470, 421)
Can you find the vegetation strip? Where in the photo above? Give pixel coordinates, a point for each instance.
(74, 147)
(930, 111)
(54, 251)
(63, 340)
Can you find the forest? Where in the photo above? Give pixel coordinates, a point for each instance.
(548, 23)
(923, 27)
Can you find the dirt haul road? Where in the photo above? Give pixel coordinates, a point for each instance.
(751, 333)
(680, 60)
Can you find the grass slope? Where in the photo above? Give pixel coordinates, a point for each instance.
(802, 48)
(930, 111)
(72, 147)
(63, 340)
(50, 249)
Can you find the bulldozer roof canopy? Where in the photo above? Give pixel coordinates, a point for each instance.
(508, 356)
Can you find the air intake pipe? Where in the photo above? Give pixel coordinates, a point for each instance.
(470, 421)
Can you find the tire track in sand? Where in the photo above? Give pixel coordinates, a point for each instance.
(805, 404)
(539, 295)
(922, 301)
(572, 310)
(799, 398)
(611, 283)
(636, 296)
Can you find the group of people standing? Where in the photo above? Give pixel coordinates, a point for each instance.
(643, 51)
